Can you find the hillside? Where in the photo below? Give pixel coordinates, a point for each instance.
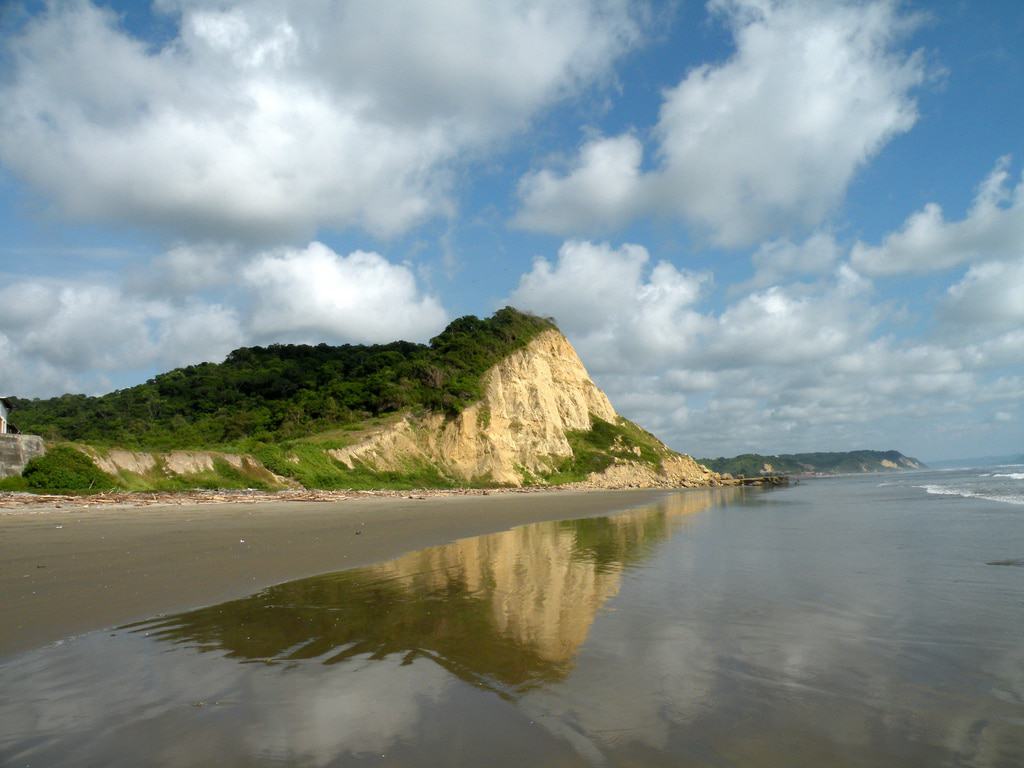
(502, 401)
(287, 390)
(843, 462)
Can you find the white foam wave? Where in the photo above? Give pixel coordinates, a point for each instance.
(1011, 475)
(945, 490)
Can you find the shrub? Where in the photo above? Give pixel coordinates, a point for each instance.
(64, 468)
(287, 391)
(15, 483)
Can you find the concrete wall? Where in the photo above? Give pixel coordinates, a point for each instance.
(17, 450)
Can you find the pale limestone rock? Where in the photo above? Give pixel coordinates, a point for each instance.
(117, 460)
(531, 400)
(172, 463)
(677, 471)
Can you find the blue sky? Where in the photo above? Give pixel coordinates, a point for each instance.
(767, 225)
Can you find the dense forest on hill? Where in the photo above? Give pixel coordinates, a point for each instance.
(287, 390)
(841, 462)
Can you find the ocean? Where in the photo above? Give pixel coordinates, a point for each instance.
(875, 620)
(1004, 482)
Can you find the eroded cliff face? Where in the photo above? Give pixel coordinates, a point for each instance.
(677, 471)
(532, 399)
(519, 432)
(183, 464)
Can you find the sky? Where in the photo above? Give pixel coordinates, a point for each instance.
(766, 225)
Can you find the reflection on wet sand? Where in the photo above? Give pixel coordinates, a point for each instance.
(783, 629)
(504, 611)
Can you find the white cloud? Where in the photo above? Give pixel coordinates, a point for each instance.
(197, 332)
(78, 334)
(627, 316)
(623, 312)
(77, 325)
(992, 229)
(766, 141)
(990, 293)
(186, 269)
(270, 119)
(1002, 349)
(791, 367)
(315, 294)
(777, 260)
(599, 194)
(785, 325)
(73, 335)
(618, 310)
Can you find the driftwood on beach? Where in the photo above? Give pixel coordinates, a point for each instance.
(146, 499)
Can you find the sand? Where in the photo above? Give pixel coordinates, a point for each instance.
(69, 570)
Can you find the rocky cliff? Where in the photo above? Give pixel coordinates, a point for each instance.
(532, 417)
(536, 401)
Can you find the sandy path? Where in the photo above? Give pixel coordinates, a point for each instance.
(71, 570)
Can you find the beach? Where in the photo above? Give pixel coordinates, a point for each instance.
(74, 568)
(860, 621)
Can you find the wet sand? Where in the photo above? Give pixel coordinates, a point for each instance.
(71, 570)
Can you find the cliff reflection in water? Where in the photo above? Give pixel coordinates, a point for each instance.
(505, 611)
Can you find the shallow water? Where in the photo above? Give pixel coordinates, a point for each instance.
(840, 622)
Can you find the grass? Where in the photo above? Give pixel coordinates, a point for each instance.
(311, 465)
(307, 461)
(596, 449)
(65, 469)
(350, 434)
(286, 391)
(222, 476)
(16, 484)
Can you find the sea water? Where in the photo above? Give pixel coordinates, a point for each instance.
(1003, 483)
(860, 621)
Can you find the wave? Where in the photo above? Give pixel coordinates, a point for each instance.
(945, 490)
(1011, 475)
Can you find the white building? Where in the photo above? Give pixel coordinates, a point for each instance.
(5, 409)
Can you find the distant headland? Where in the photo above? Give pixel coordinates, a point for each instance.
(833, 463)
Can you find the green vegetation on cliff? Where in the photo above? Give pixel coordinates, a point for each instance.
(596, 449)
(843, 462)
(309, 463)
(285, 391)
(63, 469)
(282, 416)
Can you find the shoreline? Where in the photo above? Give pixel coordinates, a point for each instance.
(73, 567)
(15, 502)
(23, 502)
